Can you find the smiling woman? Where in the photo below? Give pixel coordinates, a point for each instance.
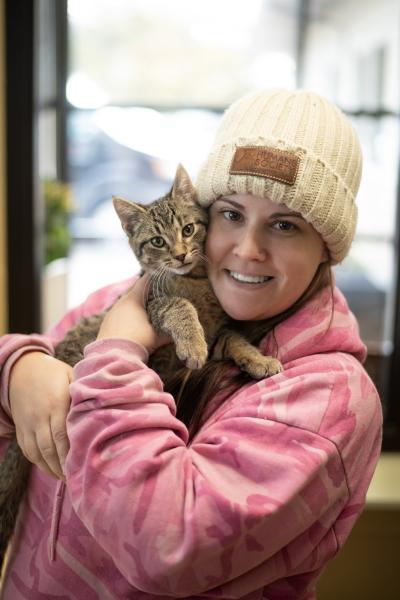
(208, 483)
(262, 257)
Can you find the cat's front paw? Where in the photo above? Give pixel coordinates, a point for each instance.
(193, 353)
(263, 366)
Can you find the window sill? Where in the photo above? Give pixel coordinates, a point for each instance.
(384, 491)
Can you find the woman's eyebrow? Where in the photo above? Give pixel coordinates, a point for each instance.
(236, 204)
(280, 215)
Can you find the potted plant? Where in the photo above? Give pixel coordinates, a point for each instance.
(57, 243)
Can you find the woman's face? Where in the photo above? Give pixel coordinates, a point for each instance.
(262, 256)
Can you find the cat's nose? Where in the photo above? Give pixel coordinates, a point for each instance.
(180, 257)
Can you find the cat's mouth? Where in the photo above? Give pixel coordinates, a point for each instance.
(182, 269)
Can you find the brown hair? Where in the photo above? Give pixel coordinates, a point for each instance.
(192, 390)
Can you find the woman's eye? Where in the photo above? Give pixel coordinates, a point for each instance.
(232, 215)
(188, 230)
(284, 226)
(157, 241)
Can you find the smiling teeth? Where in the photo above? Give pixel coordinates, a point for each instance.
(248, 278)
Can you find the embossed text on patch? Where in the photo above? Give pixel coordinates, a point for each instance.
(266, 162)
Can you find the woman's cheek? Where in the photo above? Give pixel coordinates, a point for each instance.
(212, 245)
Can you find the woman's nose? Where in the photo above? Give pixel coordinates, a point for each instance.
(250, 247)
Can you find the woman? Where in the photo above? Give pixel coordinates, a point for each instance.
(257, 485)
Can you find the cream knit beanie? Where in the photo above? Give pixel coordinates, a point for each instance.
(295, 148)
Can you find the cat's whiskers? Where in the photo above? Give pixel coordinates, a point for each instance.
(158, 280)
(146, 290)
(153, 280)
(164, 280)
(203, 257)
(158, 286)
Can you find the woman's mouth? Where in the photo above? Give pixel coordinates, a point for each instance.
(253, 279)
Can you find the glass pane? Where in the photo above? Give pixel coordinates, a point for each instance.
(94, 263)
(367, 275)
(376, 199)
(161, 54)
(366, 279)
(129, 152)
(178, 53)
(46, 73)
(47, 140)
(351, 53)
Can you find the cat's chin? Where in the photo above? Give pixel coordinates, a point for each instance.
(183, 270)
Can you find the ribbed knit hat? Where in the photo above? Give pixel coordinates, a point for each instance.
(297, 149)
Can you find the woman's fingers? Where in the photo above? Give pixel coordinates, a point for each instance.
(41, 422)
(60, 437)
(31, 450)
(39, 448)
(46, 452)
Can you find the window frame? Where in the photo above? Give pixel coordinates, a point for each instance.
(24, 212)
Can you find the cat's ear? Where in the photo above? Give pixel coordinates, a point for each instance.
(129, 213)
(183, 185)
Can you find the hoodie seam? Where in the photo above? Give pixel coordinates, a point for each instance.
(55, 519)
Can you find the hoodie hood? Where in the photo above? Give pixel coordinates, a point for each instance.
(324, 324)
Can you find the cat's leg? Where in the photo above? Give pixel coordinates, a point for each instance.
(178, 318)
(247, 357)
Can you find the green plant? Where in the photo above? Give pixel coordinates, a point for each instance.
(58, 206)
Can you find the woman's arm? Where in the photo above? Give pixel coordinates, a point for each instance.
(39, 401)
(251, 500)
(247, 495)
(37, 385)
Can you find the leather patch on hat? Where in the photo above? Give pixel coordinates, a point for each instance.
(272, 163)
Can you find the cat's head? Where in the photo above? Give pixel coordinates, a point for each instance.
(168, 233)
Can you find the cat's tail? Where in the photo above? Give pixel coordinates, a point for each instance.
(14, 474)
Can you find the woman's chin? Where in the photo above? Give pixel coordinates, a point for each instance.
(243, 313)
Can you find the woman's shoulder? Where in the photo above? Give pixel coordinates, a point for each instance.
(323, 325)
(310, 388)
(352, 418)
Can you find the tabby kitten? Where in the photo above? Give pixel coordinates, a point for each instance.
(167, 237)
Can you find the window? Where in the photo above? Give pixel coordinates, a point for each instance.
(355, 62)
(147, 84)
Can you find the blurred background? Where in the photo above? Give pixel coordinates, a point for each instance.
(126, 89)
(105, 97)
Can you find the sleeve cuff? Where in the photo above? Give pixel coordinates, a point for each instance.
(100, 346)
(5, 374)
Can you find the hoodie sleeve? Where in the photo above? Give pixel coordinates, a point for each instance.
(13, 346)
(250, 500)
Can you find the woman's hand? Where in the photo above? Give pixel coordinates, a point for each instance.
(128, 319)
(39, 402)
(39, 384)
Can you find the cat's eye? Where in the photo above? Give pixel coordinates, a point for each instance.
(157, 241)
(188, 230)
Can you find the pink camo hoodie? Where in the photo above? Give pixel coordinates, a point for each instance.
(253, 507)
